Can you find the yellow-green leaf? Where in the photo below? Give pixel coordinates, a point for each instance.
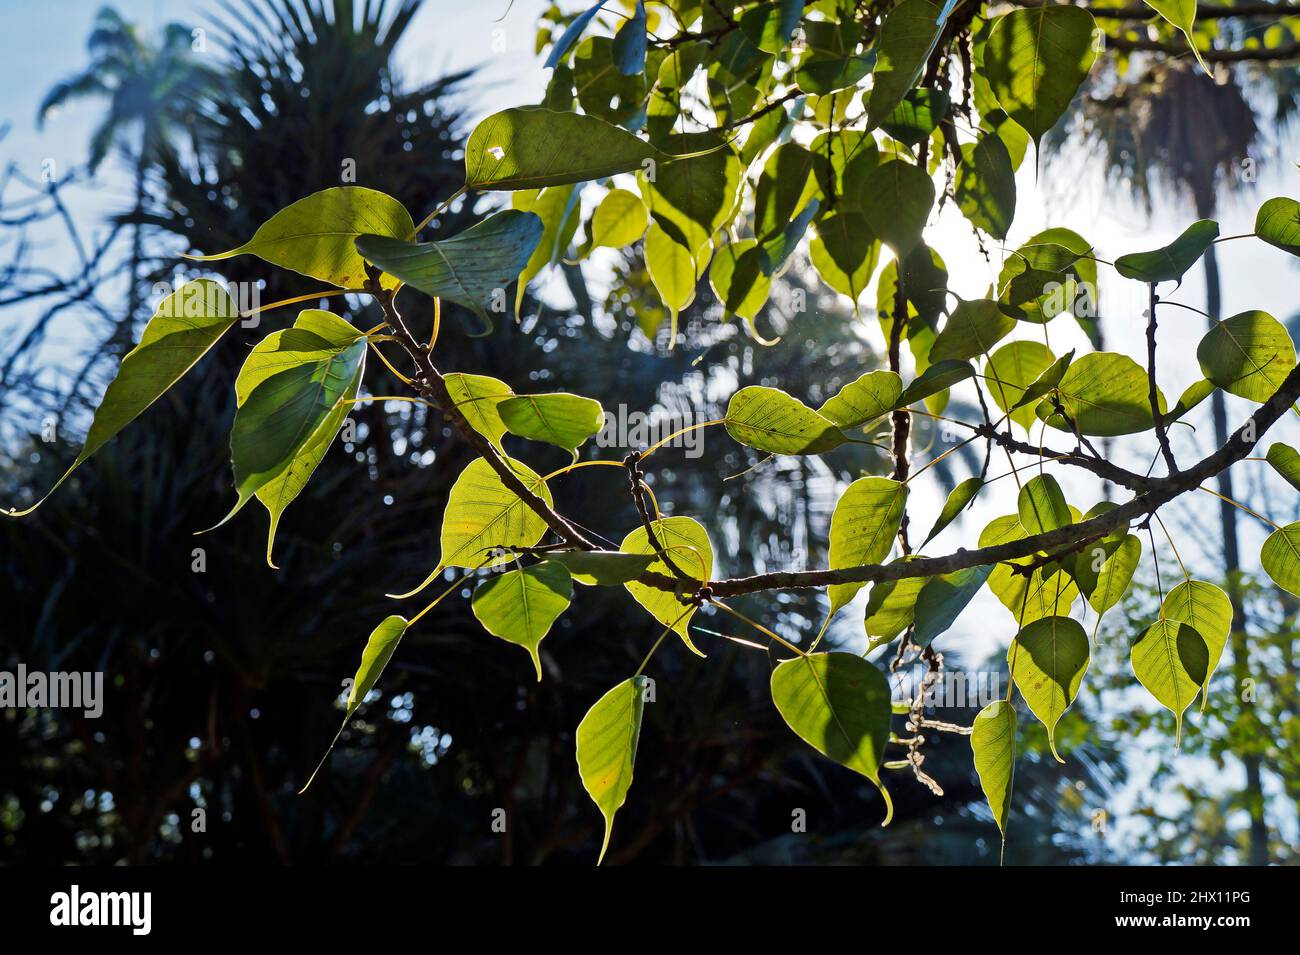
(1171, 660)
(1048, 659)
(1248, 355)
(770, 420)
(687, 545)
(993, 741)
(520, 606)
(1280, 557)
(1207, 610)
(863, 526)
(863, 400)
(607, 739)
(561, 419)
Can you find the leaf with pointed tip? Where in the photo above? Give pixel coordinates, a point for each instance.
(470, 268)
(520, 606)
(738, 279)
(528, 147)
(993, 741)
(917, 116)
(972, 329)
(315, 236)
(1116, 573)
(694, 199)
(907, 38)
(839, 704)
(936, 378)
(559, 209)
(1248, 355)
(1278, 224)
(1170, 263)
(1042, 505)
(782, 188)
(1207, 610)
(1039, 277)
(1106, 394)
(571, 34)
(1192, 396)
(891, 607)
(845, 253)
(863, 400)
(770, 420)
(673, 269)
(631, 41)
(986, 185)
(1047, 592)
(896, 198)
(1010, 370)
(603, 568)
(961, 496)
(619, 220)
(477, 397)
(1286, 462)
(1036, 60)
(1048, 381)
(687, 545)
(607, 739)
(943, 599)
(1182, 14)
(1048, 659)
(561, 419)
(1280, 557)
(863, 526)
(1171, 660)
(374, 658)
(185, 325)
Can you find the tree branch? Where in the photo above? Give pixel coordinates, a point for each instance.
(1153, 393)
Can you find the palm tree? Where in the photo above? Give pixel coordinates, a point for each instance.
(151, 87)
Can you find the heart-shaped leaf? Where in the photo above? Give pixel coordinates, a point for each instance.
(1171, 660)
(607, 739)
(896, 198)
(1207, 610)
(1248, 355)
(972, 329)
(561, 419)
(863, 527)
(770, 420)
(1286, 462)
(520, 606)
(1278, 224)
(863, 400)
(1048, 659)
(1280, 557)
(687, 545)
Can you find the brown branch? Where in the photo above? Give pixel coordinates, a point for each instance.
(1097, 465)
(1153, 393)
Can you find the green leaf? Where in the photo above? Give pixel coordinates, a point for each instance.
(1035, 60)
(770, 26)
(843, 159)
(907, 38)
(972, 329)
(1010, 370)
(528, 147)
(738, 278)
(917, 116)
(277, 494)
(770, 420)
(839, 704)
(315, 236)
(185, 325)
(1047, 592)
(631, 41)
(559, 209)
(1280, 558)
(1042, 505)
(1192, 396)
(1286, 462)
(986, 185)
(674, 271)
(1106, 394)
(606, 741)
(687, 545)
(1207, 610)
(863, 400)
(477, 397)
(471, 268)
(943, 599)
(961, 495)
(1048, 659)
(288, 387)
(603, 90)
(1171, 660)
(845, 253)
(1182, 14)
(993, 741)
(571, 34)
(777, 248)
(1048, 381)
(1170, 263)
(619, 220)
(1278, 224)
(1248, 355)
(891, 607)
(693, 198)
(863, 527)
(936, 378)
(1115, 574)
(520, 606)
(781, 188)
(604, 568)
(561, 419)
(1041, 277)
(896, 201)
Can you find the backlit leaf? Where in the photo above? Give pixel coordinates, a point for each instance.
(1207, 610)
(1048, 659)
(770, 420)
(863, 400)
(1171, 660)
(863, 527)
(1248, 355)
(1170, 263)
(520, 606)
(607, 739)
(993, 741)
(561, 419)
(687, 545)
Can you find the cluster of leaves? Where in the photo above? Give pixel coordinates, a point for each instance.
(816, 121)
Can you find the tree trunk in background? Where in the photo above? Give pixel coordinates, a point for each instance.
(1254, 793)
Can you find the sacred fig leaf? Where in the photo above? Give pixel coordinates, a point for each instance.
(477, 397)
(907, 38)
(1103, 393)
(604, 568)
(185, 325)
(1041, 505)
(602, 89)
(972, 329)
(863, 400)
(472, 268)
(917, 116)
(674, 270)
(1115, 572)
(993, 742)
(1048, 659)
(528, 147)
(781, 188)
(1047, 592)
(607, 739)
(943, 599)
(845, 253)
(696, 197)
(891, 608)
(863, 526)
(738, 278)
(957, 500)
(561, 419)
(1040, 279)
(686, 544)
(1182, 14)
(619, 220)
(1280, 557)
(839, 704)
(986, 185)
(770, 26)
(287, 389)
(896, 198)
(559, 209)
(936, 378)
(277, 494)
(1171, 660)
(1207, 610)
(1286, 462)
(1036, 60)
(1010, 370)
(1248, 355)
(770, 420)
(1170, 263)
(1278, 224)
(315, 236)
(520, 606)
